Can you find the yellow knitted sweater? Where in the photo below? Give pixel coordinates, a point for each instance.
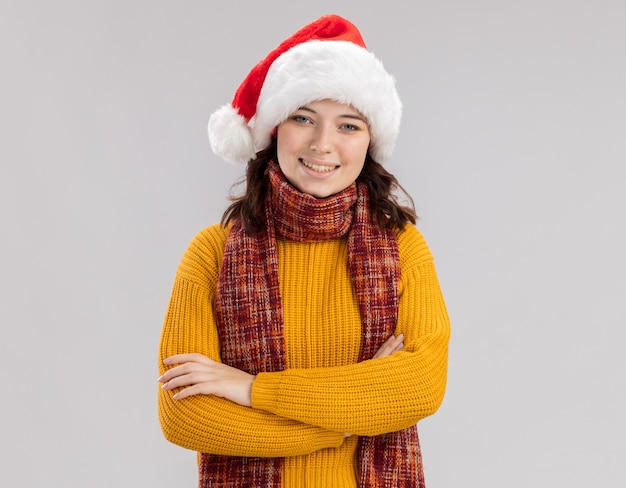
(304, 412)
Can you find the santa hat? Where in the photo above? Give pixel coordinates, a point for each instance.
(326, 59)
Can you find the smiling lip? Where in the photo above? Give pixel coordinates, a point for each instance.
(318, 168)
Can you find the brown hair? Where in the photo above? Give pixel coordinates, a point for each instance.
(382, 186)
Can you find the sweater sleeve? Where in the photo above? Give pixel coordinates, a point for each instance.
(208, 423)
(381, 395)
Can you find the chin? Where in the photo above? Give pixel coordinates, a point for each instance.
(314, 191)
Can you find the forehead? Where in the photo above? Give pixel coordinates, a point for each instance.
(331, 107)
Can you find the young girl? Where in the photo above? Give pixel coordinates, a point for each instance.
(306, 334)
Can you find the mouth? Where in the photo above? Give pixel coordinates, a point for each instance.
(318, 168)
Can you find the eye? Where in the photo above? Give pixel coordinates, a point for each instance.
(350, 127)
(301, 119)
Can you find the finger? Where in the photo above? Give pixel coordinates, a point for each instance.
(392, 343)
(185, 380)
(393, 339)
(174, 372)
(182, 369)
(190, 391)
(382, 352)
(185, 364)
(185, 358)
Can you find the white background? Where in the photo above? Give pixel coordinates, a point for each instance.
(512, 144)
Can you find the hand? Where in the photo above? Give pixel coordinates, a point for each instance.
(391, 345)
(203, 376)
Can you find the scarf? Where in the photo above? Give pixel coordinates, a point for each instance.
(250, 320)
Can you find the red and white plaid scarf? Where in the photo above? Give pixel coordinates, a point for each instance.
(250, 318)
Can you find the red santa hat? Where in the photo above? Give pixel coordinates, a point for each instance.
(326, 59)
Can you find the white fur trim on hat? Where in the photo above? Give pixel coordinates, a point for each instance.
(337, 70)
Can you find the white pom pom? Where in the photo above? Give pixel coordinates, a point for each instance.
(230, 136)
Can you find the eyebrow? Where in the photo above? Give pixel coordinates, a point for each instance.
(347, 116)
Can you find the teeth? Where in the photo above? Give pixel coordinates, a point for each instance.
(317, 167)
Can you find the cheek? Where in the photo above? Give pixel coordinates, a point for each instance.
(282, 154)
(359, 151)
(361, 146)
(284, 141)
(280, 145)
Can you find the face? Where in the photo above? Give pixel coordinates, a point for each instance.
(322, 147)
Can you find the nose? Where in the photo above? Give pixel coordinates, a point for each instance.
(322, 139)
